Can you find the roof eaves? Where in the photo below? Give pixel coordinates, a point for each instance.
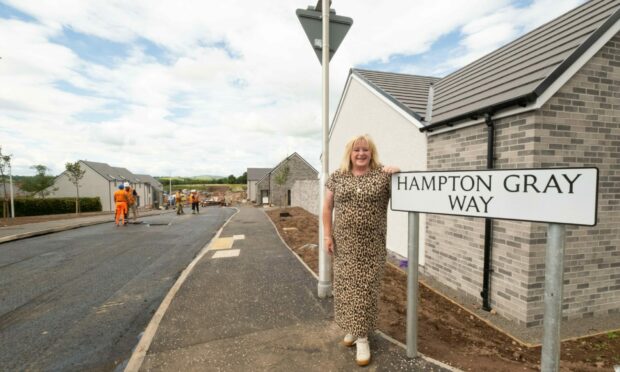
(90, 165)
(388, 96)
(522, 101)
(541, 88)
(581, 49)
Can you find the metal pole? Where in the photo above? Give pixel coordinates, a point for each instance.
(325, 281)
(554, 278)
(11, 191)
(412, 284)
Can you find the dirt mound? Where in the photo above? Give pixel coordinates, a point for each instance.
(446, 331)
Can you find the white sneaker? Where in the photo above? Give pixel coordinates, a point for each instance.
(363, 351)
(349, 340)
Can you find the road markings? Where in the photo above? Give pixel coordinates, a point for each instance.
(229, 253)
(222, 243)
(238, 237)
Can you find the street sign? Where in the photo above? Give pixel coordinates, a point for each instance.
(311, 21)
(557, 195)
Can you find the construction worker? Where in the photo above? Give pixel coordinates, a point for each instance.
(195, 200)
(120, 198)
(179, 203)
(132, 202)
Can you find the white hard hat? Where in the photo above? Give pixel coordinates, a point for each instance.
(193, 190)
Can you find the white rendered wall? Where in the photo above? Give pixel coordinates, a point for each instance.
(252, 191)
(399, 142)
(92, 185)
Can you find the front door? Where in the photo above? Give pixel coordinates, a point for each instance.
(264, 196)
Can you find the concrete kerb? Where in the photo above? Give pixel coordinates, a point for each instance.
(139, 352)
(381, 334)
(48, 231)
(31, 234)
(289, 248)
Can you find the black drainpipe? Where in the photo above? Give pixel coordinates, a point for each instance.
(488, 222)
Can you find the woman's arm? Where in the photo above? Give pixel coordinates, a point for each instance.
(390, 169)
(328, 209)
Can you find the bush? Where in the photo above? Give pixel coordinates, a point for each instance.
(38, 207)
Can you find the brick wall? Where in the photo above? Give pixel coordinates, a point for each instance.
(455, 245)
(298, 170)
(306, 195)
(578, 126)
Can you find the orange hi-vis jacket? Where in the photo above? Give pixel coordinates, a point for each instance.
(120, 196)
(130, 199)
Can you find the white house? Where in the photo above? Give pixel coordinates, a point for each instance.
(548, 99)
(100, 180)
(153, 191)
(390, 108)
(254, 175)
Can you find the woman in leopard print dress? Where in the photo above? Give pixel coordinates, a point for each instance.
(359, 192)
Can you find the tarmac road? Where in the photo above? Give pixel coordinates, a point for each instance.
(79, 299)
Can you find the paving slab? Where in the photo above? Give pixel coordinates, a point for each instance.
(259, 311)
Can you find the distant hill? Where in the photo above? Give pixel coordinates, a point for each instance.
(206, 177)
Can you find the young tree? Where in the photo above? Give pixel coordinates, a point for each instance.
(243, 179)
(5, 163)
(40, 183)
(75, 174)
(281, 177)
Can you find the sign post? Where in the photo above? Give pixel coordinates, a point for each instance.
(554, 277)
(559, 196)
(325, 32)
(413, 246)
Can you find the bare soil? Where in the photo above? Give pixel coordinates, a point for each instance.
(448, 332)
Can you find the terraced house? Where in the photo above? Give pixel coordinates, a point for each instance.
(548, 99)
(101, 180)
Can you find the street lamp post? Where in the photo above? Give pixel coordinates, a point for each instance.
(325, 263)
(11, 191)
(324, 40)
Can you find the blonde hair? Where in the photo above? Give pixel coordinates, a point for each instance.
(346, 166)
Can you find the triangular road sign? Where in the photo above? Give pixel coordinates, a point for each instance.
(311, 20)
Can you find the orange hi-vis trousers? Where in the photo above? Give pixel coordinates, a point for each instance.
(121, 209)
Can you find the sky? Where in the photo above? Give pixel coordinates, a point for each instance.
(188, 88)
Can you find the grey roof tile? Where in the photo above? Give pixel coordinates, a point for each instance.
(410, 92)
(524, 68)
(255, 174)
(112, 173)
(150, 179)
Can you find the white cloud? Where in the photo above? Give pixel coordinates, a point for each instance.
(238, 85)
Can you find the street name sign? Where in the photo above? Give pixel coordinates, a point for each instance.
(554, 195)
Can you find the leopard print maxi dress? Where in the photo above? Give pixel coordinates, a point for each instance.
(360, 204)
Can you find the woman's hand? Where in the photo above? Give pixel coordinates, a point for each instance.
(390, 169)
(329, 244)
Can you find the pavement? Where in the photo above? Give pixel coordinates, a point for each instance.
(248, 303)
(10, 233)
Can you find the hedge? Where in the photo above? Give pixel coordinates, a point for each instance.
(39, 207)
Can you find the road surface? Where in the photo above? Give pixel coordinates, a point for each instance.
(79, 299)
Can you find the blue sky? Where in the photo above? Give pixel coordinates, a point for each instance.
(162, 87)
